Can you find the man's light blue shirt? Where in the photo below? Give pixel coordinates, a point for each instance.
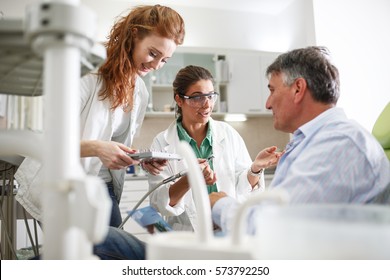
(330, 159)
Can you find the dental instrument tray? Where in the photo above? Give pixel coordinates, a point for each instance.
(154, 155)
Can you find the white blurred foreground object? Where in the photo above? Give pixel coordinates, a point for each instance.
(76, 207)
(203, 244)
(62, 33)
(307, 231)
(323, 231)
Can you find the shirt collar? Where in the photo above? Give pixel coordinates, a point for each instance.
(184, 136)
(312, 126)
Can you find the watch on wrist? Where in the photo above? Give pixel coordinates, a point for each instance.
(257, 174)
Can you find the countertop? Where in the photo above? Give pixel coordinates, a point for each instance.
(133, 177)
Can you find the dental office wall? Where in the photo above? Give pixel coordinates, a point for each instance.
(353, 30)
(357, 33)
(219, 29)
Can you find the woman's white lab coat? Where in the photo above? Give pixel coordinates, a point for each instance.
(231, 162)
(96, 119)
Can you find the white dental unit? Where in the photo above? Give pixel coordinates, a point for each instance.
(76, 206)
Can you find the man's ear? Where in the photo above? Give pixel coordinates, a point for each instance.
(300, 87)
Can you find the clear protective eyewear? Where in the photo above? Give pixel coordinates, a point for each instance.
(199, 99)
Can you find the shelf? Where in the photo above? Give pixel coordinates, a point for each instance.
(160, 115)
(213, 115)
(132, 177)
(162, 86)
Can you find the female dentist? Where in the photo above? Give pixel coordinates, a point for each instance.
(222, 155)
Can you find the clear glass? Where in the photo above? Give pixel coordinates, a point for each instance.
(198, 99)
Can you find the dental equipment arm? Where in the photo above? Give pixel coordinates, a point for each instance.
(163, 182)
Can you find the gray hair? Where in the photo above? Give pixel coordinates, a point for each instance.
(312, 64)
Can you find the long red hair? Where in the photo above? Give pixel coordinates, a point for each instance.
(118, 71)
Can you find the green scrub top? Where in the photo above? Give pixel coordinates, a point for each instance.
(204, 151)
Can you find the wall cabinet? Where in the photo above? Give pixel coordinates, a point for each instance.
(244, 89)
(247, 90)
(160, 82)
(239, 78)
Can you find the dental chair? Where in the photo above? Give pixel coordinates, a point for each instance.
(381, 129)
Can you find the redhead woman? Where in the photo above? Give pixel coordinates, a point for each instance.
(114, 100)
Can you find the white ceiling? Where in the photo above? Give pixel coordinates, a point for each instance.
(10, 8)
(256, 6)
